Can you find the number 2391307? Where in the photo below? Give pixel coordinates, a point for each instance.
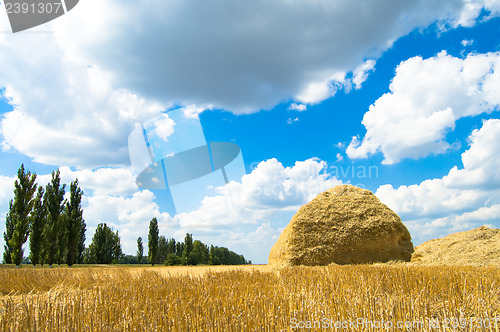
(33, 8)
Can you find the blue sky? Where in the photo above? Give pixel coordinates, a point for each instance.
(400, 98)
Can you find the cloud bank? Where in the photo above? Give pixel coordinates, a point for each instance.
(115, 63)
(427, 97)
(465, 198)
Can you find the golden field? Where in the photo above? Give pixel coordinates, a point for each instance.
(397, 297)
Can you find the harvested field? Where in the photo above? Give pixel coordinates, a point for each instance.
(250, 298)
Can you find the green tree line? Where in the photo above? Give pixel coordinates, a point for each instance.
(169, 252)
(53, 224)
(56, 231)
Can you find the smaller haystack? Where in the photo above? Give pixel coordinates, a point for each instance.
(480, 246)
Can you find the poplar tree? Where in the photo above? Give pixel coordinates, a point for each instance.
(7, 235)
(24, 190)
(37, 223)
(53, 235)
(162, 250)
(72, 220)
(140, 250)
(80, 250)
(117, 248)
(153, 241)
(179, 248)
(171, 246)
(188, 247)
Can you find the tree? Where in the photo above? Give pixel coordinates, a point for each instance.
(37, 223)
(7, 235)
(223, 256)
(213, 260)
(140, 250)
(173, 259)
(162, 250)
(105, 247)
(25, 188)
(179, 248)
(199, 254)
(86, 256)
(218, 255)
(117, 249)
(153, 241)
(73, 220)
(188, 247)
(80, 250)
(171, 246)
(53, 235)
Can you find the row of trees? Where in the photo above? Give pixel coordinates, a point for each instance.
(56, 231)
(54, 225)
(189, 252)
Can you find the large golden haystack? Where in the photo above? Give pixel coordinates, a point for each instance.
(480, 246)
(343, 225)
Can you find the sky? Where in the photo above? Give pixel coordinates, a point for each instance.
(398, 97)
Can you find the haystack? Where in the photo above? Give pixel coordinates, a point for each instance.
(480, 246)
(343, 225)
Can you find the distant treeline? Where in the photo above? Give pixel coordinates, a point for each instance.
(56, 231)
(170, 252)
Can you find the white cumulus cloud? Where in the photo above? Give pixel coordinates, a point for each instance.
(164, 127)
(128, 214)
(360, 74)
(102, 181)
(75, 118)
(481, 161)
(426, 98)
(6, 188)
(465, 198)
(297, 107)
(270, 187)
(467, 42)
